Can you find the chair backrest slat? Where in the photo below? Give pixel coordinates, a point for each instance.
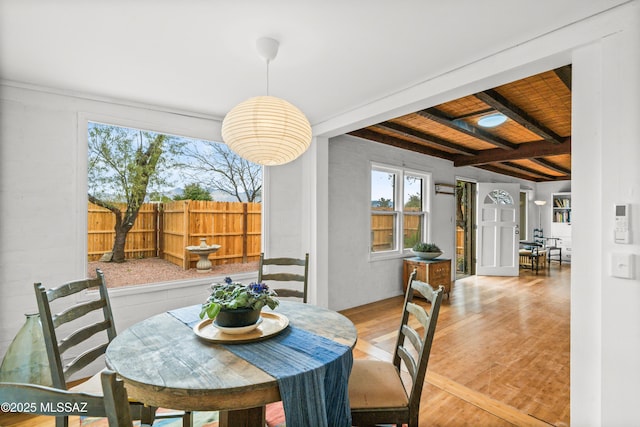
(283, 261)
(285, 276)
(408, 360)
(84, 360)
(82, 335)
(77, 312)
(71, 288)
(290, 293)
(419, 313)
(413, 336)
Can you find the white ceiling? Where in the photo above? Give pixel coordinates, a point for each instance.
(199, 56)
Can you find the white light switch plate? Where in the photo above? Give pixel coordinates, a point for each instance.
(622, 265)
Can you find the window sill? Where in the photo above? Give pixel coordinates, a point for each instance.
(385, 256)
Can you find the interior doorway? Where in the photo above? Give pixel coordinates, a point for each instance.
(465, 230)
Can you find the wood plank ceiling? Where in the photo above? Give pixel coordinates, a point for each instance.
(534, 143)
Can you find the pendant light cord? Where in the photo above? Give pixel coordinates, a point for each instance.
(268, 77)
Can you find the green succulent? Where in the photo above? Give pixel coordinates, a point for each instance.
(426, 247)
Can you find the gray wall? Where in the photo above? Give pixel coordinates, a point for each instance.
(354, 279)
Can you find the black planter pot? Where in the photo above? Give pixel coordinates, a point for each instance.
(237, 317)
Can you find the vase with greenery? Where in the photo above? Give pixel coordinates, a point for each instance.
(427, 250)
(233, 304)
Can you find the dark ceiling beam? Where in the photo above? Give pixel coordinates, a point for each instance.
(524, 151)
(399, 143)
(426, 138)
(439, 117)
(529, 171)
(564, 74)
(515, 113)
(550, 165)
(475, 113)
(502, 171)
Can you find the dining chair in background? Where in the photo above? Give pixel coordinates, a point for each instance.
(279, 270)
(377, 393)
(37, 399)
(96, 334)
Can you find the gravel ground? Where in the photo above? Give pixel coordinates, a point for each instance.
(155, 270)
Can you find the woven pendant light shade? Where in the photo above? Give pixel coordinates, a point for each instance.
(266, 130)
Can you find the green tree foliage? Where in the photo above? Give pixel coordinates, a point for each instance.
(193, 192)
(123, 164)
(215, 166)
(384, 203)
(414, 203)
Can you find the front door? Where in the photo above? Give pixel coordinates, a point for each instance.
(498, 233)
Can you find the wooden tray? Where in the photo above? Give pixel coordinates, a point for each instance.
(272, 324)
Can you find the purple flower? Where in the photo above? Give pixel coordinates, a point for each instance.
(228, 280)
(258, 287)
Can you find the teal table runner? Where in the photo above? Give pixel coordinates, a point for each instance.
(312, 372)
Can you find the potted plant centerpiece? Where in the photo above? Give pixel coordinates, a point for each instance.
(235, 304)
(426, 250)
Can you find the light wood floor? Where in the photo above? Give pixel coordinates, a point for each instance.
(500, 356)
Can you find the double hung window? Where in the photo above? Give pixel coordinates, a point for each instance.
(399, 209)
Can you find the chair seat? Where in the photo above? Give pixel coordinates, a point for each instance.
(93, 386)
(376, 384)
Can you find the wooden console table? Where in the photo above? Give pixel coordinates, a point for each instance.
(435, 272)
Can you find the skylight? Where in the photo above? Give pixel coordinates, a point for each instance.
(492, 120)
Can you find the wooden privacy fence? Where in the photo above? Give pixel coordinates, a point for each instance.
(383, 230)
(142, 239)
(164, 230)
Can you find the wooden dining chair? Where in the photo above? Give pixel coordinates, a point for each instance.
(41, 400)
(82, 313)
(274, 412)
(284, 267)
(377, 393)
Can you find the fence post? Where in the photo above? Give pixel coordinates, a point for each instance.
(187, 234)
(245, 235)
(160, 230)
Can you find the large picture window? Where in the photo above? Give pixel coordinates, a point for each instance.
(152, 196)
(399, 209)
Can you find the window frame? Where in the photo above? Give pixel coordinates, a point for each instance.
(398, 211)
(524, 228)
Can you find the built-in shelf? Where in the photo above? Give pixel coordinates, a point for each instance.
(561, 222)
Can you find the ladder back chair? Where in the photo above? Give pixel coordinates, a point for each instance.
(97, 334)
(275, 411)
(284, 275)
(377, 392)
(38, 399)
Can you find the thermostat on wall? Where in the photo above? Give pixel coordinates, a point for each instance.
(621, 232)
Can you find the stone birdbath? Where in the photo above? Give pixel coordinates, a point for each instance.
(203, 251)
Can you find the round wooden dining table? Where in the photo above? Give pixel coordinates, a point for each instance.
(165, 364)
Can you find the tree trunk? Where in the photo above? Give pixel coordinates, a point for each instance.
(118, 244)
(122, 227)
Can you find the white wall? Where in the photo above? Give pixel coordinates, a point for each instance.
(43, 199)
(605, 310)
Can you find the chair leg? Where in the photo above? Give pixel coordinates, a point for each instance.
(187, 419)
(147, 415)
